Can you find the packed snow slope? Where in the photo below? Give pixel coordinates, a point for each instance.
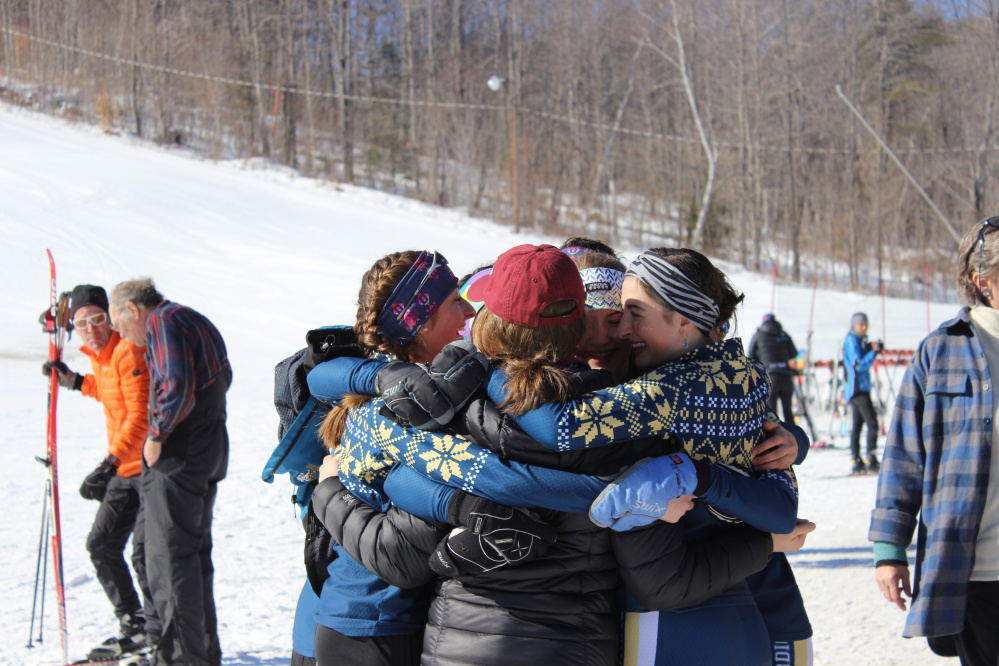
(266, 255)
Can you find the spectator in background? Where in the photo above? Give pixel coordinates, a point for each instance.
(858, 357)
(120, 381)
(773, 347)
(941, 473)
(185, 455)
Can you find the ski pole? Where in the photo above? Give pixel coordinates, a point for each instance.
(45, 562)
(884, 322)
(42, 539)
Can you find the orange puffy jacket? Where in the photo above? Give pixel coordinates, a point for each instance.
(121, 383)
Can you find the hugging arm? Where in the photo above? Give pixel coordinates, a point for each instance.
(663, 571)
(395, 546)
(768, 502)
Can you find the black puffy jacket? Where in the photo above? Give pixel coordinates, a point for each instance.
(395, 545)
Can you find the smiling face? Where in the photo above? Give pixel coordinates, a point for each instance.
(443, 327)
(655, 334)
(94, 335)
(600, 342)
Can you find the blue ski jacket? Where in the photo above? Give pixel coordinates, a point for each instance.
(858, 357)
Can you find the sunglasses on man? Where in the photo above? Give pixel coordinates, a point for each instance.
(93, 320)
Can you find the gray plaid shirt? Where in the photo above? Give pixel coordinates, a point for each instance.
(936, 461)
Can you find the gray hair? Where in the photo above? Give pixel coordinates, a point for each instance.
(140, 291)
(978, 251)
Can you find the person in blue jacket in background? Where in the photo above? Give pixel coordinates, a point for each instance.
(858, 357)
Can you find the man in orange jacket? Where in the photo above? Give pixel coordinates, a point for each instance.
(120, 381)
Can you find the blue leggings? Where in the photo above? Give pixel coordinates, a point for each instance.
(702, 636)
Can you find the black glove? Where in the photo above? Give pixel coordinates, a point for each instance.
(427, 396)
(332, 342)
(67, 378)
(96, 483)
(490, 536)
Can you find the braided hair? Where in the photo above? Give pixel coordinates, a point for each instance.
(376, 287)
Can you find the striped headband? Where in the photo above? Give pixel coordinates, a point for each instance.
(676, 289)
(603, 288)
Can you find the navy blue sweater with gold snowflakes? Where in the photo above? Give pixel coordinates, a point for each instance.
(713, 401)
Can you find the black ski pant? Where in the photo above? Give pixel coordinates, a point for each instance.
(782, 385)
(178, 494)
(336, 649)
(978, 642)
(113, 524)
(863, 413)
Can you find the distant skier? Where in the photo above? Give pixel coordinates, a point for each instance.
(120, 381)
(773, 347)
(858, 357)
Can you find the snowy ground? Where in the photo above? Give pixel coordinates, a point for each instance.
(267, 255)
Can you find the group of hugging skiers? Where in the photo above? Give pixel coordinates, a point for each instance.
(519, 488)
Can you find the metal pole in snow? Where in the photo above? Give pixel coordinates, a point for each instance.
(927, 283)
(884, 322)
(773, 292)
(811, 309)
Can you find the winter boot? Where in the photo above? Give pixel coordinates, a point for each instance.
(873, 466)
(858, 466)
(142, 657)
(131, 639)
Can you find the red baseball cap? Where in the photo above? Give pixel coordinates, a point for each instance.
(527, 279)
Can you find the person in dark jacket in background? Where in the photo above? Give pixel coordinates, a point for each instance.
(773, 347)
(184, 457)
(858, 357)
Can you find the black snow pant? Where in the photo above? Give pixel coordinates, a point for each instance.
(978, 642)
(863, 412)
(178, 494)
(113, 523)
(783, 390)
(336, 649)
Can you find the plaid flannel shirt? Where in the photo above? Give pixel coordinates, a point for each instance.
(185, 353)
(935, 472)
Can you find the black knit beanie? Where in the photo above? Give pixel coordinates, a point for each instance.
(87, 294)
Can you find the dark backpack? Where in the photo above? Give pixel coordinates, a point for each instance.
(300, 451)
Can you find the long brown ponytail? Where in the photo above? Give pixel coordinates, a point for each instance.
(528, 356)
